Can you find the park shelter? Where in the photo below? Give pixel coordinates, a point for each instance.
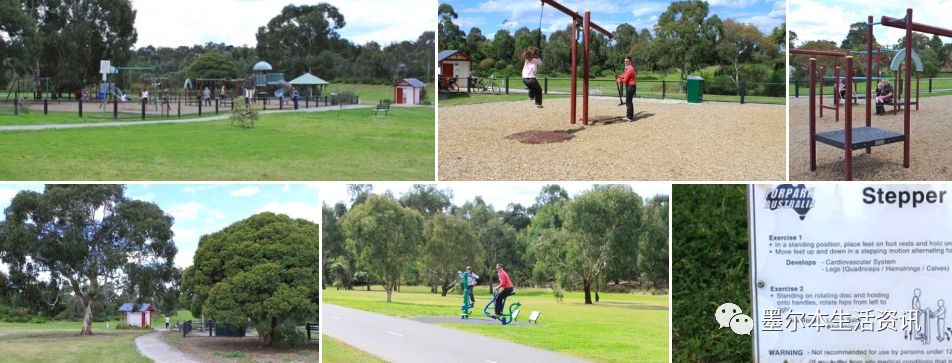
(308, 79)
(408, 91)
(137, 315)
(455, 63)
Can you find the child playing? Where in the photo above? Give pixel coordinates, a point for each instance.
(532, 62)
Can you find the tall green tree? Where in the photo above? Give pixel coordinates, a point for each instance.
(451, 37)
(427, 199)
(294, 40)
(600, 233)
(738, 45)
(385, 236)
(505, 46)
(450, 246)
(263, 268)
(685, 36)
(856, 37)
(653, 243)
(87, 235)
(212, 64)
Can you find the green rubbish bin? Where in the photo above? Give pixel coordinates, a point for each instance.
(695, 89)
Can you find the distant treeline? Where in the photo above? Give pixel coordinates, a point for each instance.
(66, 40)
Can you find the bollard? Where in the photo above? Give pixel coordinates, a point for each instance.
(930, 85)
(80, 107)
(743, 91)
(179, 108)
(281, 103)
(506, 82)
(45, 107)
(16, 106)
(796, 88)
(216, 107)
(143, 109)
(306, 99)
(545, 86)
(115, 108)
(663, 89)
(200, 108)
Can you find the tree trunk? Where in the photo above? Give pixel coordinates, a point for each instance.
(389, 289)
(273, 335)
(88, 315)
(587, 287)
(446, 287)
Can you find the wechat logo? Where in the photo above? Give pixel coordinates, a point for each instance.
(730, 315)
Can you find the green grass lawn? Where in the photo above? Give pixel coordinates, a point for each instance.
(620, 328)
(61, 342)
(285, 146)
(336, 351)
(372, 93)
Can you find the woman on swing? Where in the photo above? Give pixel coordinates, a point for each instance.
(532, 62)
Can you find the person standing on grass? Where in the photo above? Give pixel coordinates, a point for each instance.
(144, 95)
(628, 80)
(221, 94)
(529, 69)
(504, 290)
(168, 320)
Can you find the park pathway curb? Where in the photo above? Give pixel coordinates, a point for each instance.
(155, 122)
(403, 340)
(152, 347)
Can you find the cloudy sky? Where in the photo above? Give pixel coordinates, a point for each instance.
(499, 195)
(837, 17)
(492, 15)
(207, 208)
(175, 23)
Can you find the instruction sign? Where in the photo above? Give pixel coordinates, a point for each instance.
(851, 272)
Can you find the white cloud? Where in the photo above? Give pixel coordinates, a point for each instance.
(837, 17)
(736, 4)
(6, 195)
(311, 212)
(649, 8)
(214, 215)
(184, 23)
(245, 192)
(186, 239)
(147, 197)
(185, 211)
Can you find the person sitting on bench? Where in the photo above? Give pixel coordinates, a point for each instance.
(884, 95)
(505, 287)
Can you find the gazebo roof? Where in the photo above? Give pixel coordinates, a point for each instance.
(416, 83)
(308, 79)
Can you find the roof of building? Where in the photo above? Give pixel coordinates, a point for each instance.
(416, 83)
(449, 53)
(309, 79)
(127, 307)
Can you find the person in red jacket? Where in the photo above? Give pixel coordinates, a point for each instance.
(629, 81)
(505, 289)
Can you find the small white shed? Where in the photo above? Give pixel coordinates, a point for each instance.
(137, 315)
(407, 91)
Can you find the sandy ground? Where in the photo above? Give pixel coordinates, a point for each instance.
(930, 152)
(671, 140)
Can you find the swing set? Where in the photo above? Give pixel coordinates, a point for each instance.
(582, 24)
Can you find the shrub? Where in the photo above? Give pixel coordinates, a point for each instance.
(123, 326)
(243, 115)
(235, 354)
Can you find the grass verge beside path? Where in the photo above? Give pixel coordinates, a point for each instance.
(61, 342)
(336, 351)
(285, 146)
(620, 328)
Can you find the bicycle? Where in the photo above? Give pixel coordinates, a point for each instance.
(449, 84)
(482, 86)
(175, 327)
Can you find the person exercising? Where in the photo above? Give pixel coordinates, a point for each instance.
(628, 80)
(470, 283)
(503, 290)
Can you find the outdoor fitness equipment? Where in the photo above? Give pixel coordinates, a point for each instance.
(587, 25)
(505, 319)
(867, 137)
(464, 285)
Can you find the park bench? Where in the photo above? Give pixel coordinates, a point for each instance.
(311, 327)
(382, 107)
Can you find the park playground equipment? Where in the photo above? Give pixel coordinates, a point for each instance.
(505, 318)
(584, 25)
(850, 139)
(895, 65)
(464, 286)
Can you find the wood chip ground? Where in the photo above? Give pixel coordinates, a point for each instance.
(671, 140)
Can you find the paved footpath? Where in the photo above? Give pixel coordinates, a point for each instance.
(152, 347)
(154, 122)
(404, 340)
